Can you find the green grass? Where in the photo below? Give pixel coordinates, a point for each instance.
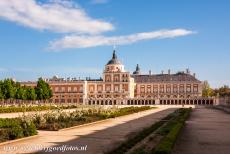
(170, 133)
(174, 122)
(130, 142)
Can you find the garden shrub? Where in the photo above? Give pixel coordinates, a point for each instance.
(16, 128)
(171, 131)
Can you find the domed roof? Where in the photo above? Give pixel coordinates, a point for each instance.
(114, 59)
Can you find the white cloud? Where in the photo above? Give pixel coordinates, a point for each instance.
(82, 41)
(54, 15)
(99, 1)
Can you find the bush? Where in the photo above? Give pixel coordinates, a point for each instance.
(171, 131)
(16, 131)
(57, 119)
(29, 128)
(24, 108)
(16, 128)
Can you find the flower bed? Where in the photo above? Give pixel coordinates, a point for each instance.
(56, 120)
(24, 126)
(16, 128)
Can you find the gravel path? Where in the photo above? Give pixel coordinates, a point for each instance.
(206, 132)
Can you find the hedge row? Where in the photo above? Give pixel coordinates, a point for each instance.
(11, 109)
(130, 142)
(171, 131)
(27, 126)
(16, 128)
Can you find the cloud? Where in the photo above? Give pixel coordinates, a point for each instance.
(83, 41)
(55, 15)
(81, 30)
(98, 1)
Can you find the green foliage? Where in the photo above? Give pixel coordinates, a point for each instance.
(223, 91)
(57, 120)
(130, 142)
(8, 88)
(16, 128)
(11, 109)
(173, 123)
(13, 90)
(20, 93)
(171, 131)
(207, 91)
(30, 93)
(43, 90)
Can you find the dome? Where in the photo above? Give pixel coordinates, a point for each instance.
(114, 59)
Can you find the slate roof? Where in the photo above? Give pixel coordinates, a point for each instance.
(114, 59)
(164, 78)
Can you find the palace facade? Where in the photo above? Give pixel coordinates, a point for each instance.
(118, 86)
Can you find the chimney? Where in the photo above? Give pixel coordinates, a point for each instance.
(150, 73)
(194, 74)
(162, 72)
(169, 71)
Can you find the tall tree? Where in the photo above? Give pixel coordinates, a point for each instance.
(224, 91)
(43, 90)
(8, 88)
(1, 94)
(207, 90)
(20, 93)
(30, 93)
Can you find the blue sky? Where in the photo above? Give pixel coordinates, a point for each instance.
(44, 44)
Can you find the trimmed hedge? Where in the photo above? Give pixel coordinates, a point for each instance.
(12, 109)
(174, 128)
(16, 128)
(130, 142)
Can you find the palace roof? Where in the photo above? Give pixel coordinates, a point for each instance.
(165, 78)
(114, 59)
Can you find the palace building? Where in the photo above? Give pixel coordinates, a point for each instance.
(120, 87)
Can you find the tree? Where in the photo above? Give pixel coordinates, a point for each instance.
(43, 90)
(20, 93)
(1, 94)
(207, 90)
(30, 93)
(8, 88)
(224, 91)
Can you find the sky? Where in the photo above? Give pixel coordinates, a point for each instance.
(75, 38)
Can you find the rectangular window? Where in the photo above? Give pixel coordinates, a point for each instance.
(75, 89)
(81, 89)
(142, 89)
(175, 88)
(161, 88)
(168, 88)
(188, 88)
(155, 89)
(195, 88)
(181, 89)
(116, 88)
